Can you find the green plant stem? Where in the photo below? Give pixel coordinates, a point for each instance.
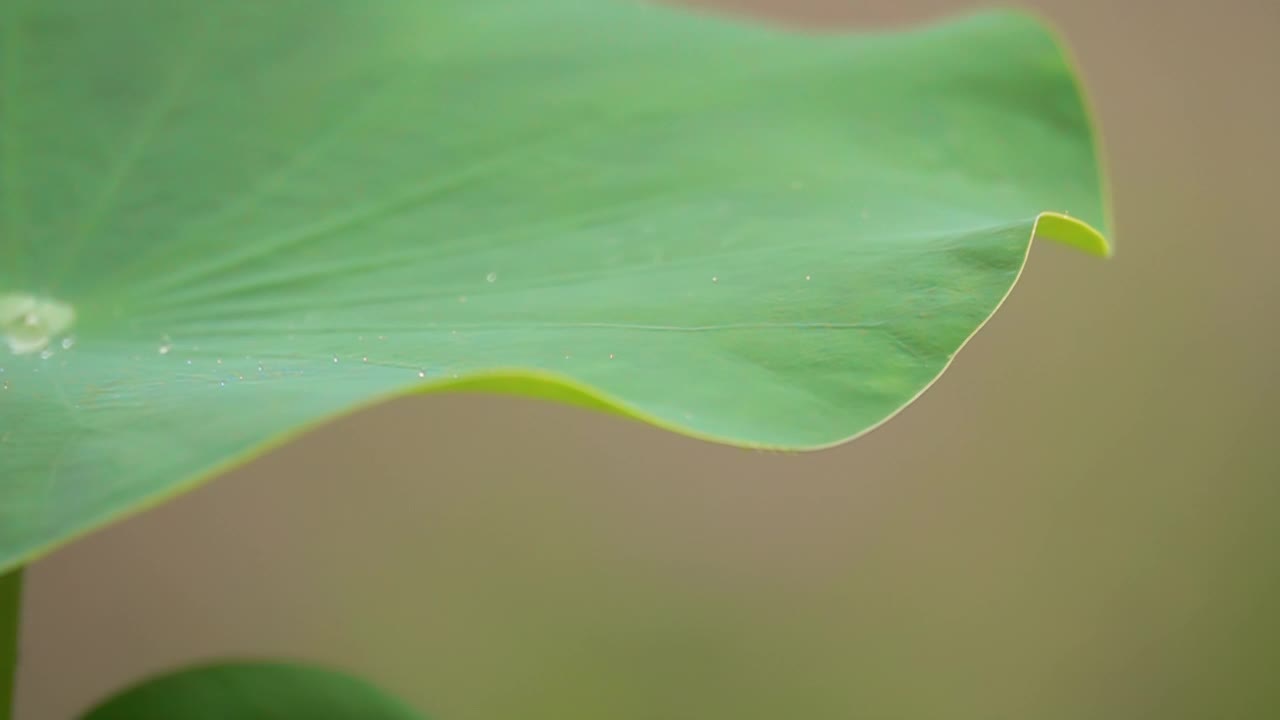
(10, 614)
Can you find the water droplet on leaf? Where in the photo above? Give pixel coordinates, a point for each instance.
(28, 323)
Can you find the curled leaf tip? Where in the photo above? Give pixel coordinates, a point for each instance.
(1063, 228)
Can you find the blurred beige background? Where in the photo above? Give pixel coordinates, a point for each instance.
(1078, 521)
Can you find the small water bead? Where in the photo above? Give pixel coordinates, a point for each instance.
(28, 323)
(68, 343)
(422, 374)
(335, 359)
(364, 359)
(610, 356)
(46, 354)
(715, 279)
(806, 277)
(491, 277)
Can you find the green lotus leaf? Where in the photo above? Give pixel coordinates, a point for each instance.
(253, 691)
(226, 222)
